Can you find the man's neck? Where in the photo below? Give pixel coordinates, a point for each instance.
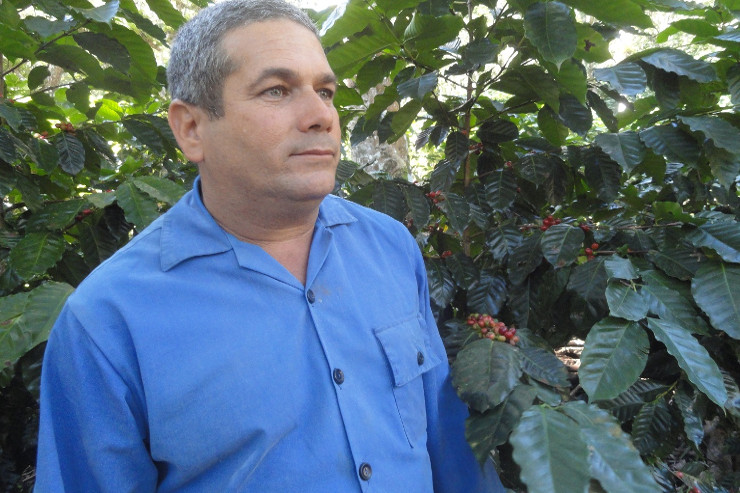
(284, 231)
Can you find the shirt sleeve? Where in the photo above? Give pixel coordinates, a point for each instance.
(454, 467)
(92, 425)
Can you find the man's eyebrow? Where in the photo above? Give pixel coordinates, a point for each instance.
(289, 75)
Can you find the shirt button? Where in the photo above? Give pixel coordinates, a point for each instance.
(420, 358)
(310, 296)
(365, 471)
(338, 376)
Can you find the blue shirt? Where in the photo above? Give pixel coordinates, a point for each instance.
(193, 362)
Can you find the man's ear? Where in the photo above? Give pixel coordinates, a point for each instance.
(185, 121)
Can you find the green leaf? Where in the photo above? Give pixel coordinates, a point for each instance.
(627, 78)
(733, 83)
(443, 175)
(403, 119)
(488, 294)
(138, 209)
(575, 115)
(441, 283)
(693, 424)
(620, 268)
(613, 459)
(625, 301)
(537, 168)
(715, 289)
(502, 239)
(544, 366)
(497, 131)
(457, 210)
(146, 133)
(96, 243)
(602, 173)
(418, 87)
(501, 189)
(588, 280)
(55, 216)
(456, 147)
(677, 261)
(418, 205)
(346, 56)
(466, 274)
(614, 355)
(484, 432)
(161, 189)
(166, 12)
(7, 147)
(485, 372)
(71, 152)
(105, 13)
(671, 300)
(14, 43)
(73, 59)
(106, 49)
(723, 133)
(37, 76)
(539, 441)
(389, 199)
(619, 12)
(652, 426)
(625, 148)
(524, 259)
(721, 236)
(725, 166)
(11, 115)
(26, 319)
(427, 32)
(551, 29)
(36, 253)
(693, 359)
(626, 406)
(572, 78)
(671, 142)
(681, 63)
(561, 244)
(531, 81)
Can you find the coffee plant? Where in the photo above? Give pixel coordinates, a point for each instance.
(580, 196)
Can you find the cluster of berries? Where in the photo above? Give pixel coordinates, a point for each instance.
(82, 215)
(489, 327)
(584, 227)
(65, 127)
(589, 251)
(445, 254)
(436, 196)
(549, 221)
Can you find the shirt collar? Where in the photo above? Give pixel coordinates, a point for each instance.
(189, 230)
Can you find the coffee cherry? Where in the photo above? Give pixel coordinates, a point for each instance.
(589, 251)
(594, 246)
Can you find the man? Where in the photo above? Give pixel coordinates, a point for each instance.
(261, 336)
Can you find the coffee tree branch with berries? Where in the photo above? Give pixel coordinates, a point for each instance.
(580, 197)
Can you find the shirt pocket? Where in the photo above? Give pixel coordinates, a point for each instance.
(409, 356)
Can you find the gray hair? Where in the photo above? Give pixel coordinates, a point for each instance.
(199, 66)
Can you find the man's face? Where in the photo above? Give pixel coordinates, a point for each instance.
(279, 137)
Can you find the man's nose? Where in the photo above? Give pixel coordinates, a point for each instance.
(317, 113)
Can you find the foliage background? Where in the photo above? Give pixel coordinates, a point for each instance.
(547, 145)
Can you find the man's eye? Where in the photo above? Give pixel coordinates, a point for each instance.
(275, 92)
(326, 93)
